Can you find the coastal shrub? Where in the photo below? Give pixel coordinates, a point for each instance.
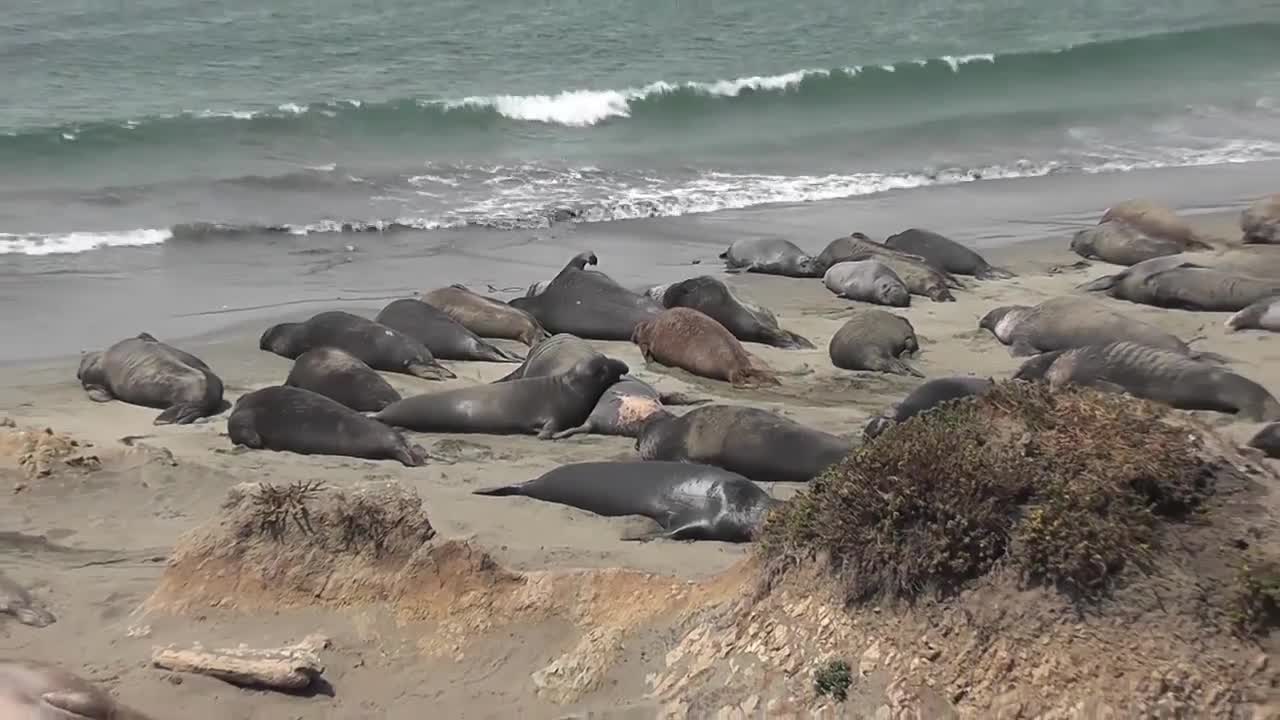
(833, 680)
(1069, 487)
(1257, 593)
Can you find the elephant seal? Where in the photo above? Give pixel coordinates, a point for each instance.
(588, 304)
(144, 371)
(16, 601)
(1121, 244)
(485, 316)
(1171, 282)
(919, 277)
(945, 254)
(377, 345)
(689, 502)
(578, 262)
(1268, 440)
(1155, 221)
(41, 691)
(1067, 322)
(873, 340)
(622, 410)
(924, 398)
(685, 338)
(1262, 315)
(446, 338)
(548, 406)
(714, 299)
(292, 419)
(1159, 375)
(757, 444)
(555, 355)
(867, 280)
(770, 256)
(341, 376)
(1261, 221)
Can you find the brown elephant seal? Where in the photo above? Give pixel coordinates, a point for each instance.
(291, 419)
(485, 316)
(1261, 221)
(41, 691)
(377, 345)
(341, 376)
(715, 300)
(867, 281)
(16, 601)
(547, 406)
(1067, 322)
(685, 338)
(144, 371)
(1267, 440)
(688, 501)
(1156, 221)
(769, 256)
(1158, 375)
(588, 304)
(874, 340)
(1171, 282)
(918, 276)
(945, 254)
(1262, 315)
(758, 444)
(1121, 244)
(925, 398)
(446, 338)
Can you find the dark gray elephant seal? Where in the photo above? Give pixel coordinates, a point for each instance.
(290, 419)
(41, 691)
(578, 262)
(874, 340)
(446, 338)
(485, 316)
(924, 398)
(1171, 282)
(341, 376)
(1121, 244)
(919, 277)
(144, 371)
(548, 406)
(758, 444)
(377, 345)
(622, 410)
(1262, 315)
(770, 256)
(553, 356)
(945, 254)
(1261, 221)
(1158, 375)
(1068, 322)
(689, 501)
(16, 601)
(714, 299)
(589, 305)
(1268, 440)
(868, 281)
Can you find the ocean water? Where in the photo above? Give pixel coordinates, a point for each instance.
(134, 124)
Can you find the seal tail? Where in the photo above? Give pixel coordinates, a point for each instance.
(1102, 284)
(994, 273)
(181, 414)
(499, 491)
(791, 341)
(748, 377)
(724, 255)
(513, 375)
(942, 295)
(678, 398)
(898, 367)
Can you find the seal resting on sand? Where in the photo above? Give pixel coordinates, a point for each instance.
(873, 340)
(1267, 440)
(547, 406)
(144, 371)
(1121, 244)
(758, 444)
(1155, 221)
(867, 280)
(917, 275)
(377, 345)
(945, 254)
(485, 316)
(688, 339)
(689, 502)
(1261, 221)
(284, 418)
(770, 256)
(1067, 322)
(587, 304)
(622, 410)
(714, 299)
(446, 338)
(1154, 374)
(341, 376)
(1262, 315)
(16, 601)
(924, 398)
(1172, 282)
(555, 355)
(40, 691)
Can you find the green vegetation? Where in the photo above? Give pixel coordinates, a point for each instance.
(833, 680)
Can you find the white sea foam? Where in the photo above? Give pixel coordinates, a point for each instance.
(77, 242)
(954, 62)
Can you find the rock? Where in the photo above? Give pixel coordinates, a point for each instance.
(884, 713)
(749, 705)
(870, 659)
(581, 669)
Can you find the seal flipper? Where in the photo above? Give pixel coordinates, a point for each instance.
(898, 367)
(33, 616)
(686, 533)
(678, 398)
(1103, 284)
(584, 428)
(548, 431)
(435, 371)
(1022, 348)
(78, 703)
(791, 341)
(180, 414)
(97, 393)
(992, 272)
(500, 491)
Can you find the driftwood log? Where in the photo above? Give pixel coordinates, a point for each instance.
(292, 667)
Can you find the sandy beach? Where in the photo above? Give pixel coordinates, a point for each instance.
(92, 545)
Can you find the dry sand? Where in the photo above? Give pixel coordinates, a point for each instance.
(92, 544)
